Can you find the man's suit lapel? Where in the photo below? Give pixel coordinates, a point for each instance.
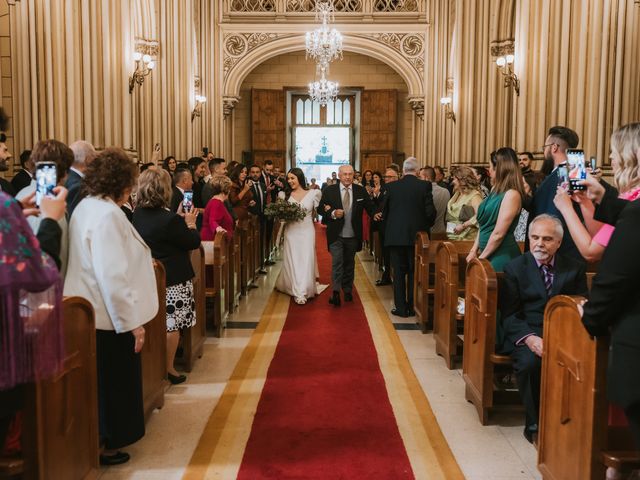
(560, 275)
(535, 276)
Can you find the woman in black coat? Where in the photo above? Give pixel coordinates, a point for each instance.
(171, 238)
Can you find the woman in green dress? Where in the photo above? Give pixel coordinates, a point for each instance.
(463, 206)
(498, 213)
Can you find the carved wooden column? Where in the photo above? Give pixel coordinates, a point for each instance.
(229, 104)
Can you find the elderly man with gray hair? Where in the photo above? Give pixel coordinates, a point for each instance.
(529, 281)
(408, 209)
(82, 151)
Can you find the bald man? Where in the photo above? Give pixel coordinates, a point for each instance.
(341, 207)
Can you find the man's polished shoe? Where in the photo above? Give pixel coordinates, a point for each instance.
(348, 297)
(117, 458)
(335, 299)
(382, 282)
(531, 433)
(399, 313)
(176, 379)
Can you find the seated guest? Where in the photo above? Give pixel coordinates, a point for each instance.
(463, 205)
(441, 198)
(24, 177)
(530, 280)
(240, 194)
(171, 239)
(216, 216)
(82, 152)
(111, 266)
(170, 164)
(182, 181)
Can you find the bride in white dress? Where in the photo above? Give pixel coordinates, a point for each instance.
(299, 266)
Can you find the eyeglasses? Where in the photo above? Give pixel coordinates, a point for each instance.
(548, 145)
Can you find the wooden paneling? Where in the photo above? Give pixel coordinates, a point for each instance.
(268, 133)
(378, 126)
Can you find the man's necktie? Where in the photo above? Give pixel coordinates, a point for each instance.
(547, 277)
(346, 200)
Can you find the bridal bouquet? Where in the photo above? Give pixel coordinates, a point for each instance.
(285, 211)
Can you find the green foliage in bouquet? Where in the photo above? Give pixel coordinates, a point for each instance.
(285, 211)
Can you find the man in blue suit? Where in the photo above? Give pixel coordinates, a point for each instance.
(559, 139)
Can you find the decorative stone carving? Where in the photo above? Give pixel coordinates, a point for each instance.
(147, 46)
(253, 5)
(310, 5)
(502, 48)
(417, 104)
(196, 83)
(449, 86)
(237, 45)
(409, 45)
(395, 6)
(228, 104)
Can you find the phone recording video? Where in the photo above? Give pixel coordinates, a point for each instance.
(563, 178)
(593, 163)
(46, 180)
(187, 202)
(577, 168)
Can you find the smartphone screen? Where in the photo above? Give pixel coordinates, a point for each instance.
(46, 180)
(577, 168)
(187, 202)
(594, 164)
(563, 178)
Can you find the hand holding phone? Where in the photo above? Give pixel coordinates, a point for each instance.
(577, 168)
(46, 180)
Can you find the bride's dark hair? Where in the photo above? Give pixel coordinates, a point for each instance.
(301, 180)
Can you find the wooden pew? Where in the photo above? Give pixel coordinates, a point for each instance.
(574, 439)
(450, 266)
(425, 254)
(193, 338)
(233, 259)
(246, 240)
(60, 421)
(479, 360)
(257, 246)
(216, 281)
(154, 351)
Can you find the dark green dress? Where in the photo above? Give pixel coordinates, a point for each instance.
(487, 218)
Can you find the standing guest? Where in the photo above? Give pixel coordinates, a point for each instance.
(408, 209)
(440, 179)
(259, 193)
(170, 164)
(367, 178)
(24, 177)
(198, 167)
(625, 162)
(357, 178)
(559, 139)
(217, 166)
(82, 153)
(240, 195)
(342, 207)
(532, 177)
(272, 189)
(390, 176)
(5, 156)
(111, 266)
(182, 182)
(463, 206)
(325, 184)
(441, 197)
(216, 216)
(313, 185)
(498, 214)
(530, 280)
(484, 180)
(171, 239)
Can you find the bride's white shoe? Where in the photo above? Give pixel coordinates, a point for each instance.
(300, 300)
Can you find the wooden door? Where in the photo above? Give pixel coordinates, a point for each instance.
(268, 131)
(378, 126)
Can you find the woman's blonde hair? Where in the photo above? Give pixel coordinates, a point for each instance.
(467, 178)
(625, 143)
(154, 189)
(220, 184)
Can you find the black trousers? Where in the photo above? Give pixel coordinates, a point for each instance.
(343, 263)
(268, 233)
(528, 368)
(402, 262)
(386, 258)
(633, 417)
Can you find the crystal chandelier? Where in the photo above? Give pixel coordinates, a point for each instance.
(324, 44)
(323, 91)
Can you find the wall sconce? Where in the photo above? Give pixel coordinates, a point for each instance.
(144, 65)
(448, 111)
(510, 78)
(197, 110)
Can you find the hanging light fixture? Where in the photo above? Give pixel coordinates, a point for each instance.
(323, 91)
(324, 45)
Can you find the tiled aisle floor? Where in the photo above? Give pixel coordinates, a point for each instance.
(496, 452)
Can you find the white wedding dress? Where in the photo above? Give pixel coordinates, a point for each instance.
(299, 264)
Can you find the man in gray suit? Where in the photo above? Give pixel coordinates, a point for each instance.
(441, 198)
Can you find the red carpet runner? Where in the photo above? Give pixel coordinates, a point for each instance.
(324, 410)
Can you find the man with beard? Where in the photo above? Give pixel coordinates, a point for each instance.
(5, 156)
(555, 148)
(532, 177)
(529, 282)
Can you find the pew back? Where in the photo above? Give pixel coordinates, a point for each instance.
(193, 338)
(60, 430)
(421, 279)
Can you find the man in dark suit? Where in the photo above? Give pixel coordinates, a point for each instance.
(390, 176)
(5, 156)
(614, 304)
(408, 209)
(529, 282)
(341, 207)
(559, 139)
(82, 153)
(259, 192)
(25, 175)
(182, 181)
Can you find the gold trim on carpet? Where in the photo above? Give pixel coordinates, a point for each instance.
(221, 447)
(428, 451)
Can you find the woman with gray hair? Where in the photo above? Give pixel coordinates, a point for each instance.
(171, 238)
